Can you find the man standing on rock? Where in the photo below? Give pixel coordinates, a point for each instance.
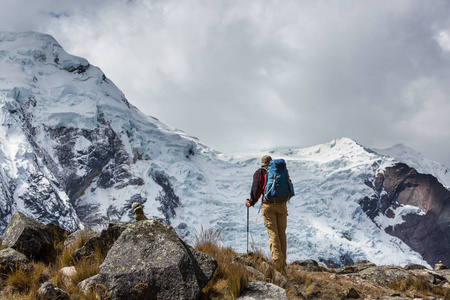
(276, 188)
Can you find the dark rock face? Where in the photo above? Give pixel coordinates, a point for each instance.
(338, 262)
(149, 261)
(428, 234)
(11, 260)
(57, 233)
(103, 242)
(168, 199)
(103, 161)
(29, 237)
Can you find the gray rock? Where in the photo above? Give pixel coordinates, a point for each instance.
(30, 237)
(357, 267)
(11, 260)
(258, 290)
(87, 285)
(256, 273)
(149, 261)
(66, 274)
(103, 242)
(74, 236)
(50, 292)
(415, 267)
(310, 264)
(385, 274)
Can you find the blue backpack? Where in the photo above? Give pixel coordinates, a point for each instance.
(279, 187)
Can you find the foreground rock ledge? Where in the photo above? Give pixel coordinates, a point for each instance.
(150, 261)
(30, 237)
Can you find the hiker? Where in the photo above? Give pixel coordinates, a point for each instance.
(138, 209)
(274, 210)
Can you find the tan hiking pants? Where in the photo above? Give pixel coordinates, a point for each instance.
(275, 220)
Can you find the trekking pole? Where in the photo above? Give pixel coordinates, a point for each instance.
(248, 208)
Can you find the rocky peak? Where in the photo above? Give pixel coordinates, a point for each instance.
(425, 224)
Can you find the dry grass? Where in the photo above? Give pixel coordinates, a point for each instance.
(230, 277)
(24, 284)
(64, 256)
(419, 286)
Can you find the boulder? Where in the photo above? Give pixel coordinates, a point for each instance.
(309, 264)
(74, 236)
(87, 285)
(11, 260)
(150, 261)
(103, 242)
(65, 275)
(50, 292)
(29, 237)
(259, 290)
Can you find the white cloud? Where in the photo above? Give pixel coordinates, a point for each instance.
(222, 70)
(443, 39)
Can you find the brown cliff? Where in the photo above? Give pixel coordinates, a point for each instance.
(427, 234)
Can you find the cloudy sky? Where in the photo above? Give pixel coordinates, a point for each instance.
(245, 75)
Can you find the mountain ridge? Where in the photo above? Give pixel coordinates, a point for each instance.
(76, 152)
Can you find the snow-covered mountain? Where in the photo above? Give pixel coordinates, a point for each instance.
(75, 152)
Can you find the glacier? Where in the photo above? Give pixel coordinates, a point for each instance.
(74, 151)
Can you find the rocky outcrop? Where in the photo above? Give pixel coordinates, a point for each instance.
(310, 264)
(365, 280)
(259, 290)
(11, 260)
(102, 242)
(427, 233)
(149, 261)
(30, 237)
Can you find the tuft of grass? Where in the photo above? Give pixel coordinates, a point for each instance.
(301, 277)
(402, 284)
(19, 281)
(418, 284)
(445, 293)
(85, 268)
(230, 277)
(64, 256)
